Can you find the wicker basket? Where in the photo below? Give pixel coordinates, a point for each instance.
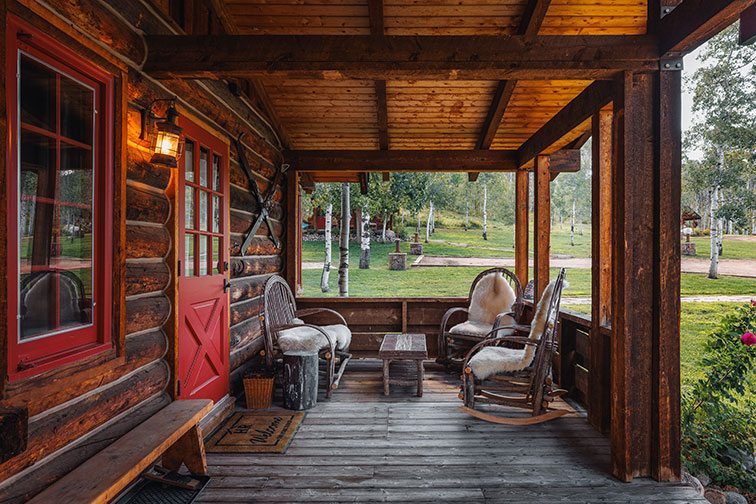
(258, 390)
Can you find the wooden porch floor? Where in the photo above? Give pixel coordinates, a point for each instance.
(363, 447)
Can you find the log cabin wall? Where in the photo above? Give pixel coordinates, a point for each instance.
(77, 409)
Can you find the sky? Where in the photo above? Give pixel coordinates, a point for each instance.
(690, 65)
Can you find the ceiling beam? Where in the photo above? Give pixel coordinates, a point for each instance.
(375, 10)
(498, 106)
(402, 160)
(579, 141)
(532, 18)
(382, 109)
(693, 22)
(381, 58)
(748, 26)
(582, 107)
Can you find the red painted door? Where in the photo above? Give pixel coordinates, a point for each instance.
(203, 351)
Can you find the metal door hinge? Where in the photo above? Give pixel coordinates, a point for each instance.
(179, 267)
(178, 388)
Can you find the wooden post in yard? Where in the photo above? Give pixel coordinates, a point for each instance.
(542, 227)
(601, 279)
(521, 226)
(645, 352)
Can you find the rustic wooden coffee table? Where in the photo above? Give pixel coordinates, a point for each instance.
(397, 347)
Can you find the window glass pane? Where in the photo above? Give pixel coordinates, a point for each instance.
(203, 211)
(189, 208)
(56, 236)
(189, 255)
(204, 268)
(37, 94)
(216, 214)
(189, 160)
(76, 111)
(216, 253)
(216, 172)
(203, 179)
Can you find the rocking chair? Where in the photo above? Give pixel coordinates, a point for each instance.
(284, 330)
(523, 374)
(495, 299)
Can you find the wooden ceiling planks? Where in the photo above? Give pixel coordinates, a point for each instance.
(431, 114)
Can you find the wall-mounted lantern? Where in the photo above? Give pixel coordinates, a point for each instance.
(167, 143)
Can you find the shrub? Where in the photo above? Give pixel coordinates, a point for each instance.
(718, 411)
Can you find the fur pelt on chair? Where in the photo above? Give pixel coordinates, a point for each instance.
(492, 296)
(492, 360)
(307, 338)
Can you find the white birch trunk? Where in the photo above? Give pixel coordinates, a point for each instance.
(713, 236)
(467, 209)
(428, 222)
(365, 240)
(485, 212)
(383, 231)
(580, 224)
(328, 238)
(572, 225)
(344, 242)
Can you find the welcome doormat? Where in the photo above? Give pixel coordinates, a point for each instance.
(256, 432)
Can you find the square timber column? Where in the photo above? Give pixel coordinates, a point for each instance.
(542, 225)
(645, 349)
(521, 226)
(293, 214)
(601, 279)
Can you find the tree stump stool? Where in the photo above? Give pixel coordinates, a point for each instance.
(300, 379)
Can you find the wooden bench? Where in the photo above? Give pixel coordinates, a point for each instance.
(172, 432)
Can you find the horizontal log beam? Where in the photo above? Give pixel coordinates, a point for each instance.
(582, 107)
(402, 160)
(693, 22)
(380, 58)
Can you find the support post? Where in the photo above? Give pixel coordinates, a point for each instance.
(542, 227)
(601, 279)
(521, 226)
(645, 363)
(293, 233)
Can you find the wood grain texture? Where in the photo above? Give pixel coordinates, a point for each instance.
(375, 58)
(542, 224)
(522, 210)
(128, 456)
(146, 206)
(503, 94)
(401, 160)
(144, 313)
(601, 273)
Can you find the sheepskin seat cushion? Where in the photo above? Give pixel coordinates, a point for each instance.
(307, 338)
(492, 295)
(492, 360)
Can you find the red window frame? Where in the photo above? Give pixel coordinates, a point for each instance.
(28, 358)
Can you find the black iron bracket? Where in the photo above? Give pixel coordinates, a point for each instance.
(670, 64)
(666, 9)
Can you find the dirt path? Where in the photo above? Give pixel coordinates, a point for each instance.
(729, 267)
(684, 299)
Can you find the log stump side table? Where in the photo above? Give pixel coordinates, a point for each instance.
(403, 347)
(300, 379)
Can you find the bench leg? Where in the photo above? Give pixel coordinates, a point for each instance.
(420, 377)
(386, 363)
(189, 449)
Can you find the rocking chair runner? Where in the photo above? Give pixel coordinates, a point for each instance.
(454, 342)
(490, 369)
(284, 330)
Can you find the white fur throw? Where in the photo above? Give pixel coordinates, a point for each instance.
(492, 295)
(492, 360)
(307, 338)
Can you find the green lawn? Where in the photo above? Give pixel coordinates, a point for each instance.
(732, 247)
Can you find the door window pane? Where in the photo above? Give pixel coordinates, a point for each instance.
(216, 254)
(37, 93)
(216, 172)
(216, 214)
(189, 207)
(203, 211)
(189, 161)
(203, 258)
(203, 178)
(189, 255)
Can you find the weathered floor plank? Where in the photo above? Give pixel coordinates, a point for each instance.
(364, 447)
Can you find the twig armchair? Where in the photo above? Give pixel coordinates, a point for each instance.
(519, 377)
(495, 300)
(284, 329)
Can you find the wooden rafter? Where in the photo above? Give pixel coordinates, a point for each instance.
(695, 21)
(582, 107)
(532, 18)
(220, 10)
(375, 10)
(402, 160)
(374, 58)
